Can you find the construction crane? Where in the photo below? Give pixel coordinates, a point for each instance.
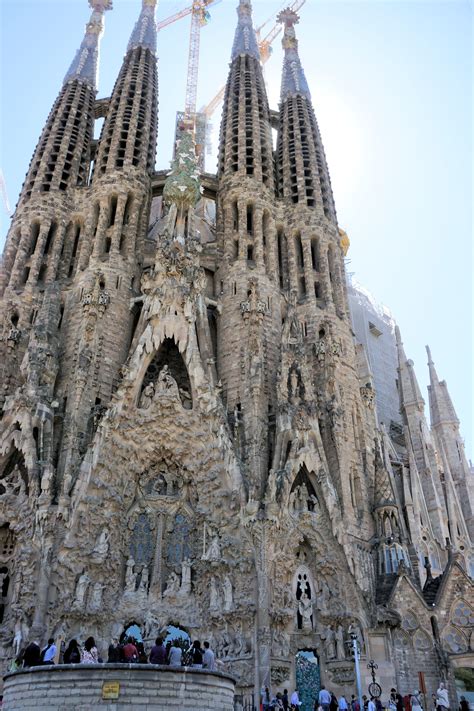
(264, 46)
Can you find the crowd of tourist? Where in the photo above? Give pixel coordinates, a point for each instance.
(327, 701)
(174, 653)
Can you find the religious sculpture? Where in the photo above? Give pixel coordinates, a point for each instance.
(185, 588)
(101, 548)
(172, 585)
(305, 608)
(144, 579)
(147, 396)
(81, 590)
(339, 637)
(214, 596)
(228, 594)
(95, 602)
(130, 577)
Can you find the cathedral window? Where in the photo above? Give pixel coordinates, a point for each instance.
(112, 210)
(50, 237)
(249, 253)
(299, 251)
(315, 254)
(317, 289)
(282, 258)
(250, 219)
(34, 234)
(141, 541)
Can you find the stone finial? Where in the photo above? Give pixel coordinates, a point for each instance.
(85, 63)
(245, 40)
(293, 79)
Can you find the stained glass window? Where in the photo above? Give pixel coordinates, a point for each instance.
(463, 614)
(141, 543)
(179, 543)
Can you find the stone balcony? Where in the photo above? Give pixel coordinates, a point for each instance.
(144, 687)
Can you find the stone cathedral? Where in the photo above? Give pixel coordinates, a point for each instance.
(189, 432)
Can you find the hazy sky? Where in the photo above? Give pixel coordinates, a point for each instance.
(392, 89)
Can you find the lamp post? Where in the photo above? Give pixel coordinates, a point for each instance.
(356, 651)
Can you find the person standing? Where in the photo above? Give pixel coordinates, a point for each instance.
(285, 700)
(343, 704)
(48, 653)
(442, 698)
(90, 655)
(113, 653)
(32, 655)
(324, 698)
(208, 658)
(175, 655)
(158, 652)
(197, 654)
(463, 704)
(72, 655)
(371, 704)
(295, 700)
(265, 699)
(415, 701)
(130, 652)
(355, 706)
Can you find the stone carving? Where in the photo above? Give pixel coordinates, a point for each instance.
(173, 585)
(166, 384)
(101, 548)
(305, 608)
(228, 594)
(368, 396)
(147, 396)
(144, 579)
(329, 642)
(130, 576)
(354, 628)
(95, 601)
(339, 637)
(81, 590)
(185, 588)
(215, 603)
(212, 552)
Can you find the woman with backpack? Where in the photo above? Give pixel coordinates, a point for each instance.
(72, 655)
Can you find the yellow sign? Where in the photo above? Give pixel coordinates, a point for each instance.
(110, 689)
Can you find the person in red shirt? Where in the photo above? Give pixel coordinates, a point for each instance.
(130, 652)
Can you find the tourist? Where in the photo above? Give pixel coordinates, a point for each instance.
(355, 705)
(114, 652)
(333, 706)
(343, 704)
(284, 699)
(142, 657)
(276, 702)
(442, 698)
(378, 704)
(371, 705)
(90, 655)
(72, 655)
(463, 704)
(397, 698)
(208, 658)
(415, 701)
(365, 701)
(48, 653)
(324, 698)
(32, 655)
(295, 701)
(158, 652)
(175, 655)
(196, 654)
(265, 697)
(17, 663)
(130, 652)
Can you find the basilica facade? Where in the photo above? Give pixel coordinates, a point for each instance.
(190, 433)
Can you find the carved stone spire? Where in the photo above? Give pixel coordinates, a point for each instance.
(144, 32)
(85, 63)
(245, 40)
(441, 405)
(293, 79)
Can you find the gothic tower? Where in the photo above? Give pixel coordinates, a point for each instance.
(189, 431)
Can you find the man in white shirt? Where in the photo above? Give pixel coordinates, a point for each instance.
(442, 698)
(49, 652)
(208, 658)
(371, 704)
(324, 698)
(295, 699)
(343, 704)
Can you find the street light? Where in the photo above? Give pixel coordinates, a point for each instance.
(356, 652)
